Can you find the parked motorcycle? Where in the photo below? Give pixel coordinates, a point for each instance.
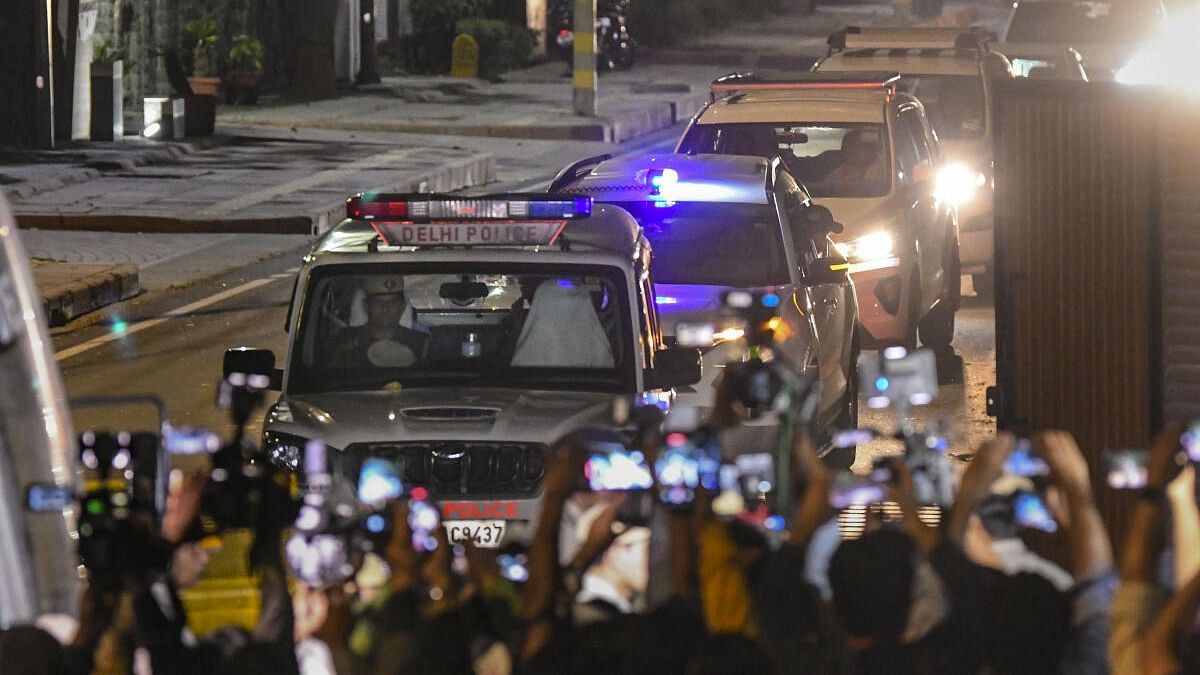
(615, 47)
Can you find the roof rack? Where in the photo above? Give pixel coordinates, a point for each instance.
(739, 83)
(857, 37)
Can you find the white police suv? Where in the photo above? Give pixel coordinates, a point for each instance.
(457, 338)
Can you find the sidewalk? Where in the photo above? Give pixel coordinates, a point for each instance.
(535, 103)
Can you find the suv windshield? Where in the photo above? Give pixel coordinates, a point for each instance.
(953, 103)
(713, 244)
(368, 327)
(1082, 23)
(831, 160)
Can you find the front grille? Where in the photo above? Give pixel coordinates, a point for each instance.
(454, 469)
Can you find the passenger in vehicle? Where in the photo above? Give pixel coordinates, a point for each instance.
(861, 153)
(562, 330)
(381, 341)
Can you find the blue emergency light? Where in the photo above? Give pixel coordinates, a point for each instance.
(448, 208)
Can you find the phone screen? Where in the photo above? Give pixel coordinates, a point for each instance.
(189, 441)
(850, 490)
(1023, 462)
(513, 567)
(424, 520)
(683, 467)
(1127, 469)
(756, 475)
(45, 498)
(1030, 510)
(1190, 441)
(612, 467)
(379, 481)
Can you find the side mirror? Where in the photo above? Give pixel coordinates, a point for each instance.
(831, 270)
(820, 219)
(253, 361)
(674, 367)
(923, 172)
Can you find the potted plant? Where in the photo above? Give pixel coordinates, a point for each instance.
(245, 68)
(108, 93)
(200, 108)
(201, 34)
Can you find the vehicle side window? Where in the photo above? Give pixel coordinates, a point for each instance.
(792, 201)
(911, 119)
(907, 155)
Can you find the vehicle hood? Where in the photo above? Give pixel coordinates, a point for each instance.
(860, 216)
(430, 414)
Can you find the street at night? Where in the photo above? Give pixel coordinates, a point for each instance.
(374, 337)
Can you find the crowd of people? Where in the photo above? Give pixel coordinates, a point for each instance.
(718, 595)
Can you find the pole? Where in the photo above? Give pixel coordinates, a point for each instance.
(585, 58)
(367, 71)
(43, 80)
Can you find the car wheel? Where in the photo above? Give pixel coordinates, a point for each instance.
(843, 458)
(937, 327)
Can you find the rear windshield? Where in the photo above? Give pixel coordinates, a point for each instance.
(713, 244)
(830, 159)
(1080, 23)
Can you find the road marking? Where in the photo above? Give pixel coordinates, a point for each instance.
(151, 323)
(251, 198)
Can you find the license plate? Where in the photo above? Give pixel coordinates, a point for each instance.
(485, 533)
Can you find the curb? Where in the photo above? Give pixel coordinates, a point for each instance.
(94, 168)
(471, 171)
(108, 285)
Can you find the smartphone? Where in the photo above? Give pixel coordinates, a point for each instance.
(683, 466)
(897, 375)
(513, 567)
(1030, 511)
(756, 475)
(1023, 462)
(48, 498)
(851, 490)
(729, 500)
(1127, 469)
(379, 481)
(189, 441)
(424, 520)
(1190, 441)
(613, 467)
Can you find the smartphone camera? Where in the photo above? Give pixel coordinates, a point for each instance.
(611, 467)
(48, 498)
(423, 520)
(1127, 469)
(379, 481)
(513, 567)
(1024, 463)
(1190, 441)
(683, 467)
(898, 376)
(1030, 511)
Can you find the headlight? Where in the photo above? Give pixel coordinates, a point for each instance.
(874, 246)
(957, 184)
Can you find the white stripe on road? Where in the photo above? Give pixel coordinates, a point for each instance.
(151, 323)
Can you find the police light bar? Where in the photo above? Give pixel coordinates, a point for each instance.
(744, 82)
(856, 37)
(445, 208)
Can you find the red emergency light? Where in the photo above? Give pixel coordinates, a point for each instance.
(449, 208)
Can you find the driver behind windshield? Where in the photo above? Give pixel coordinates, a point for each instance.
(380, 342)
